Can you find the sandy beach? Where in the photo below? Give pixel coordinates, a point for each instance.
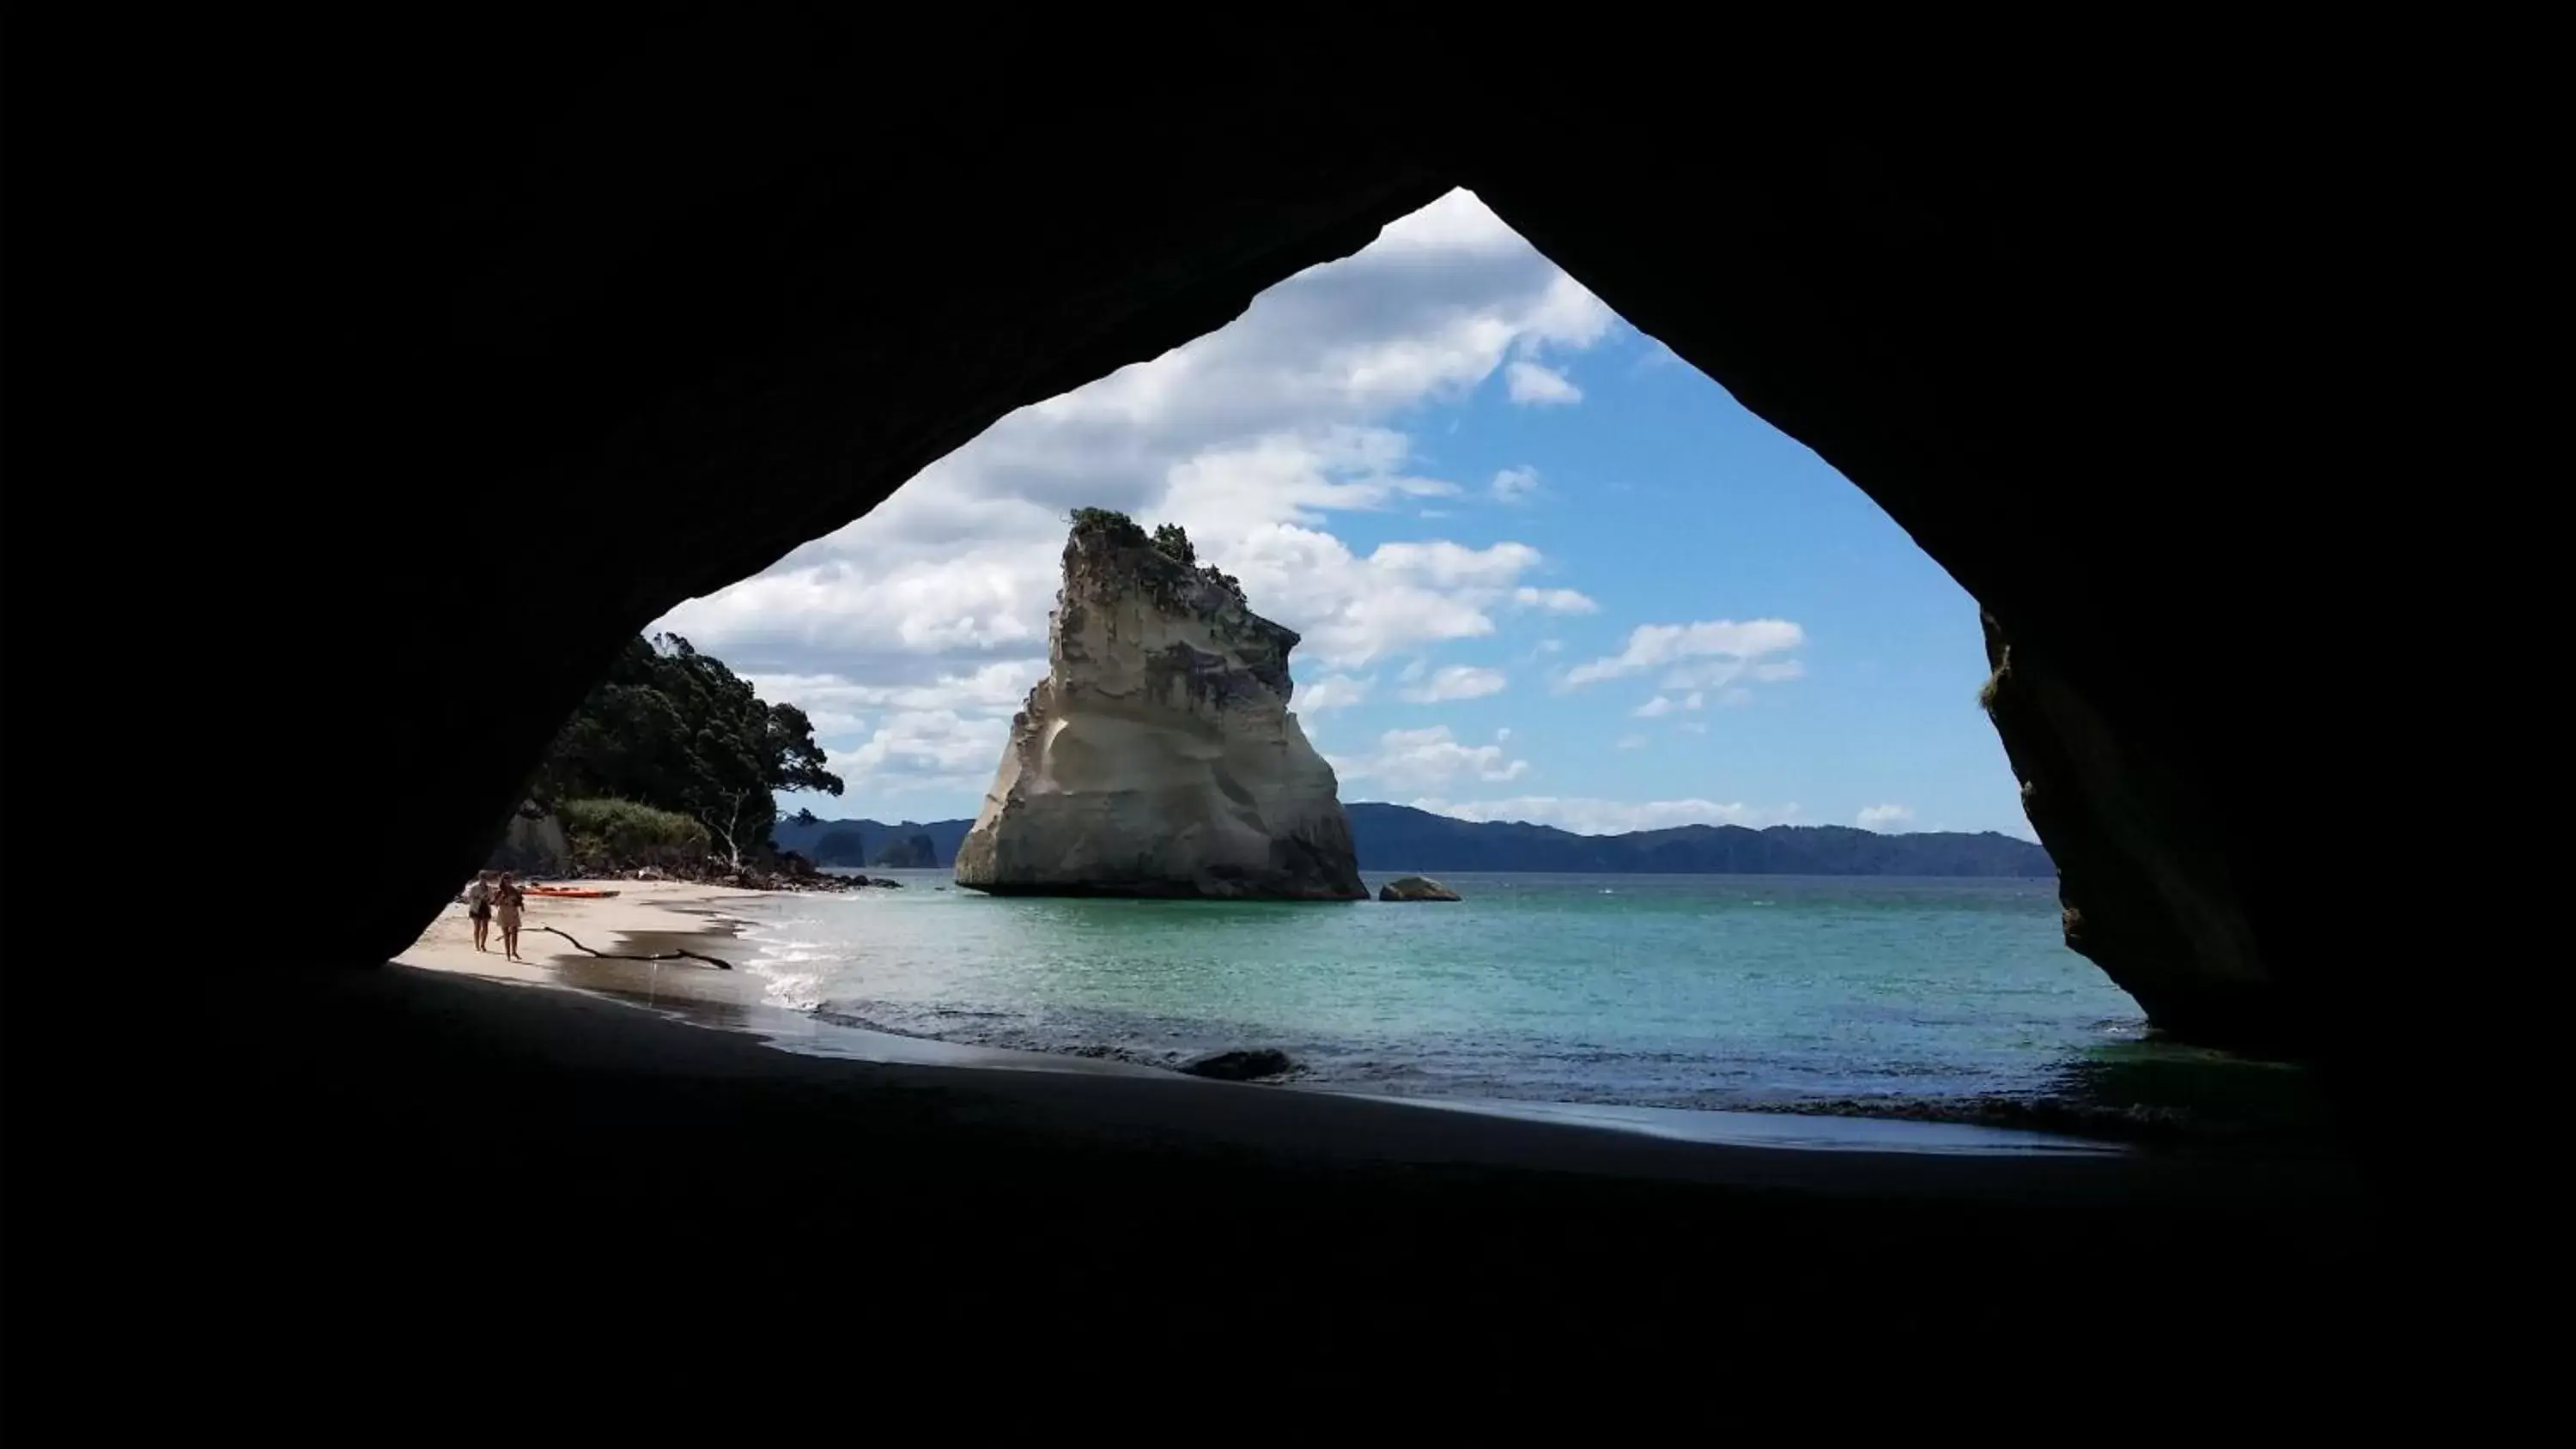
(647, 918)
(644, 918)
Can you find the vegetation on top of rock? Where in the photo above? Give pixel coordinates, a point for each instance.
(1168, 539)
(675, 730)
(1225, 581)
(1112, 525)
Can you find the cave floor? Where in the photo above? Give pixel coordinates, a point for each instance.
(374, 1151)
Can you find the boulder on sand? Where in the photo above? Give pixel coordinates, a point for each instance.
(1242, 1065)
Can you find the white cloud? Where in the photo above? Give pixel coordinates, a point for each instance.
(1882, 817)
(1514, 484)
(923, 750)
(1424, 759)
(1333, 691)
(1255, 437)
(1664, 704)
(1692, 727)
(1544, 386)
(1585, 816)
(1632, 742)
(1704, 655)
(1502, 734)
(1000, 686)
(1457, 681)
(1554, 601)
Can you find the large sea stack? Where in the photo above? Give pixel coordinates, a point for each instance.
(1158, 756)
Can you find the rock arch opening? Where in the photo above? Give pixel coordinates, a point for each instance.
(1979, 329)
(1369, 450)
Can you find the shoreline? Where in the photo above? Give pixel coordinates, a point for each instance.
(653, 916)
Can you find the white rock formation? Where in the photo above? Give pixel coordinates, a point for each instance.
(1158, 756)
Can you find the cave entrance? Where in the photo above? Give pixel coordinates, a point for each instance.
(1686, 716)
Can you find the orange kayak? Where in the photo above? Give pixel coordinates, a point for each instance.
(570, 892)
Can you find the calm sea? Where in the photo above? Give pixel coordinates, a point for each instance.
(1745, 992)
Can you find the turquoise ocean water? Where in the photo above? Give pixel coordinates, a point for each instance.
(1709, 992)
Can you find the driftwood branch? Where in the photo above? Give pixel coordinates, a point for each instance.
(657, 956)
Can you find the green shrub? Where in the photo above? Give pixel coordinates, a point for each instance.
(1173, 542)
(624, 833)
(1115, 526)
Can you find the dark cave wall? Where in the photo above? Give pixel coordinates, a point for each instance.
(2142, 870)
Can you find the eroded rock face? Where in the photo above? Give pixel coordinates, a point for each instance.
(2143, 880)
(1158, 756)
(1415, 888)
(532, 844)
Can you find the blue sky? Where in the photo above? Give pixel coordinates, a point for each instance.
(1546, 570)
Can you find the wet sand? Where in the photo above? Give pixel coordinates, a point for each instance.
(643, 918)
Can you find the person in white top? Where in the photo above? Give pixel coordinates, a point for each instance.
(478, 909)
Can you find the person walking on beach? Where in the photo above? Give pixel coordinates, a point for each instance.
(507, 899)
(478, 908)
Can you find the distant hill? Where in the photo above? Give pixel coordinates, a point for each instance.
(831, 842)
(1399, 837)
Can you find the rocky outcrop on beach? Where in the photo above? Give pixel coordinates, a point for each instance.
(783, 870)
(1158, 756)
(914, 853)
(789, 871)
(1248, 1064)
(1415, 888)
(533, 843)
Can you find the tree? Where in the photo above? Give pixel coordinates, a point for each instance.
(1173, 542)
(729, 833)
(675, 729)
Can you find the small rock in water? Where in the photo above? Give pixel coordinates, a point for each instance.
(1415, 888)
(1241, 1066)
